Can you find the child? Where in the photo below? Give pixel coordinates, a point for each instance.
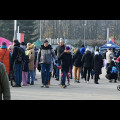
(25, 69)
(66, 63)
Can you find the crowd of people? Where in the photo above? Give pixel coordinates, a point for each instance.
(20, 61)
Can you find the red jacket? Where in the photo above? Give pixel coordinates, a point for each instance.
(6, 59)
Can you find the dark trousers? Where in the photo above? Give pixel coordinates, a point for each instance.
(96, 78)
(18, 73)
(87, 70)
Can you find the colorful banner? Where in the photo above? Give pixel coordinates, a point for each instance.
(20, 37)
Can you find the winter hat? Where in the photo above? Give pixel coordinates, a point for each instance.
(45, 41)
(67, 48)
(4, 43)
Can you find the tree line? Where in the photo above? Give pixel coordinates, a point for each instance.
(67, 29)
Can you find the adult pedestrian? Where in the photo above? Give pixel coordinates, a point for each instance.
(44, 58)
(77, 65)
(87, 64)
(31, 54)
(16, 62)
(35, 62)
(97, 63)
(4, 84)
(66, 62)
(82, 51)
(5, 57)
(59, 50)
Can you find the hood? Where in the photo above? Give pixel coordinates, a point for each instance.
(3, 47)
(46, 48)
(88, 52)
(17, 44)
(82, 50)
(31, 47)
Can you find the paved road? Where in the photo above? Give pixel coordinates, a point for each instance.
(76, 91)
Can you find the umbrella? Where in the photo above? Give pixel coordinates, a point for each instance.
(5, 40)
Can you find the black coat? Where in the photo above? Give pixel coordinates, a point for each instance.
(66, 61)
(25, 67)
(97, 64)
(87, 60)
(77, 59)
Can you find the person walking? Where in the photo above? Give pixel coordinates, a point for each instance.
(4, 84)
(97, 63)
(77, 64)
(58, 51)
(45, 55)
(31, 54)
(87, 64)
(82, 51)
(5, 57)
(66, 62)
(16, 62)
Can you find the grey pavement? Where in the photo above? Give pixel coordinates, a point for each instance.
(76, 91)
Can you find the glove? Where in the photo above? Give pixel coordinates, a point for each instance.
(39, 67)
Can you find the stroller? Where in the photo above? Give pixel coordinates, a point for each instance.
(68, 75)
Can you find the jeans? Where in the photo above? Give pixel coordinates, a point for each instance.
(31, 74)
(45, 69)
(18, 73)
(57, 71)
(64, 74)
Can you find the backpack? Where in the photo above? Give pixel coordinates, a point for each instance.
(114, 69)
(20, 56)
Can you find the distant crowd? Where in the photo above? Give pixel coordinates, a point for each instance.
(18, 64)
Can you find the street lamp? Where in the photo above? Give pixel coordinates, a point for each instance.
(15, 29)
(40, 30)
(84, 31)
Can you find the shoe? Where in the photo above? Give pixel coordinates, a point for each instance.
(57, 79)
(46, 86)
(87, 82)
(96, 82)
(28, 82)
(32, 84)
(75, 81)
(78, 81)
(63, 86)
(42, 86)
(19, 85)
(15, 86)
(91, 77)
(115, 81)
(110, 81)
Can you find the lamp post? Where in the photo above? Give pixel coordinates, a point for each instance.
(15, 29)
(40, 30)
(84, 31)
